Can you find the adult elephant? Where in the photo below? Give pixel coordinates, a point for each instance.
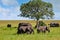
(25, 28)
(53, 24)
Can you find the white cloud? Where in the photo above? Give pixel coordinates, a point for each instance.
(9, 2)
(4, 11)
(57, 16)
(9, 13)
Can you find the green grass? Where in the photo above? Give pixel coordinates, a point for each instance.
(11, 33)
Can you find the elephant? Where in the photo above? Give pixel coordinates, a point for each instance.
(42, 29)
(25, 28)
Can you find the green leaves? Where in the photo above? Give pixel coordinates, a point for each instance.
(37, 9)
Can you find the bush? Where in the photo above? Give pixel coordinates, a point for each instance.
(41, 23)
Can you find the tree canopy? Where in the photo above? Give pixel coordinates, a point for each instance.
(37, 9)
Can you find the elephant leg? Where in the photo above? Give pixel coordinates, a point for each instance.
(38, 31)
(44, 31)
(48, 30)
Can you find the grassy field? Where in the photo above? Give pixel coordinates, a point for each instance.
(10, 33)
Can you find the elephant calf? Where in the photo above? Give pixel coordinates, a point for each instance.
(8, 25)
(43, 29)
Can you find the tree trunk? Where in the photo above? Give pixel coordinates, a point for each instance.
(37, 23)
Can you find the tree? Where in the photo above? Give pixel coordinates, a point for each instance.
(37, 9)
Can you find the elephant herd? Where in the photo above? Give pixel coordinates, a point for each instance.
(27, 28)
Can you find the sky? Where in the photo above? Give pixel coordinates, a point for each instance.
(9, 9)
